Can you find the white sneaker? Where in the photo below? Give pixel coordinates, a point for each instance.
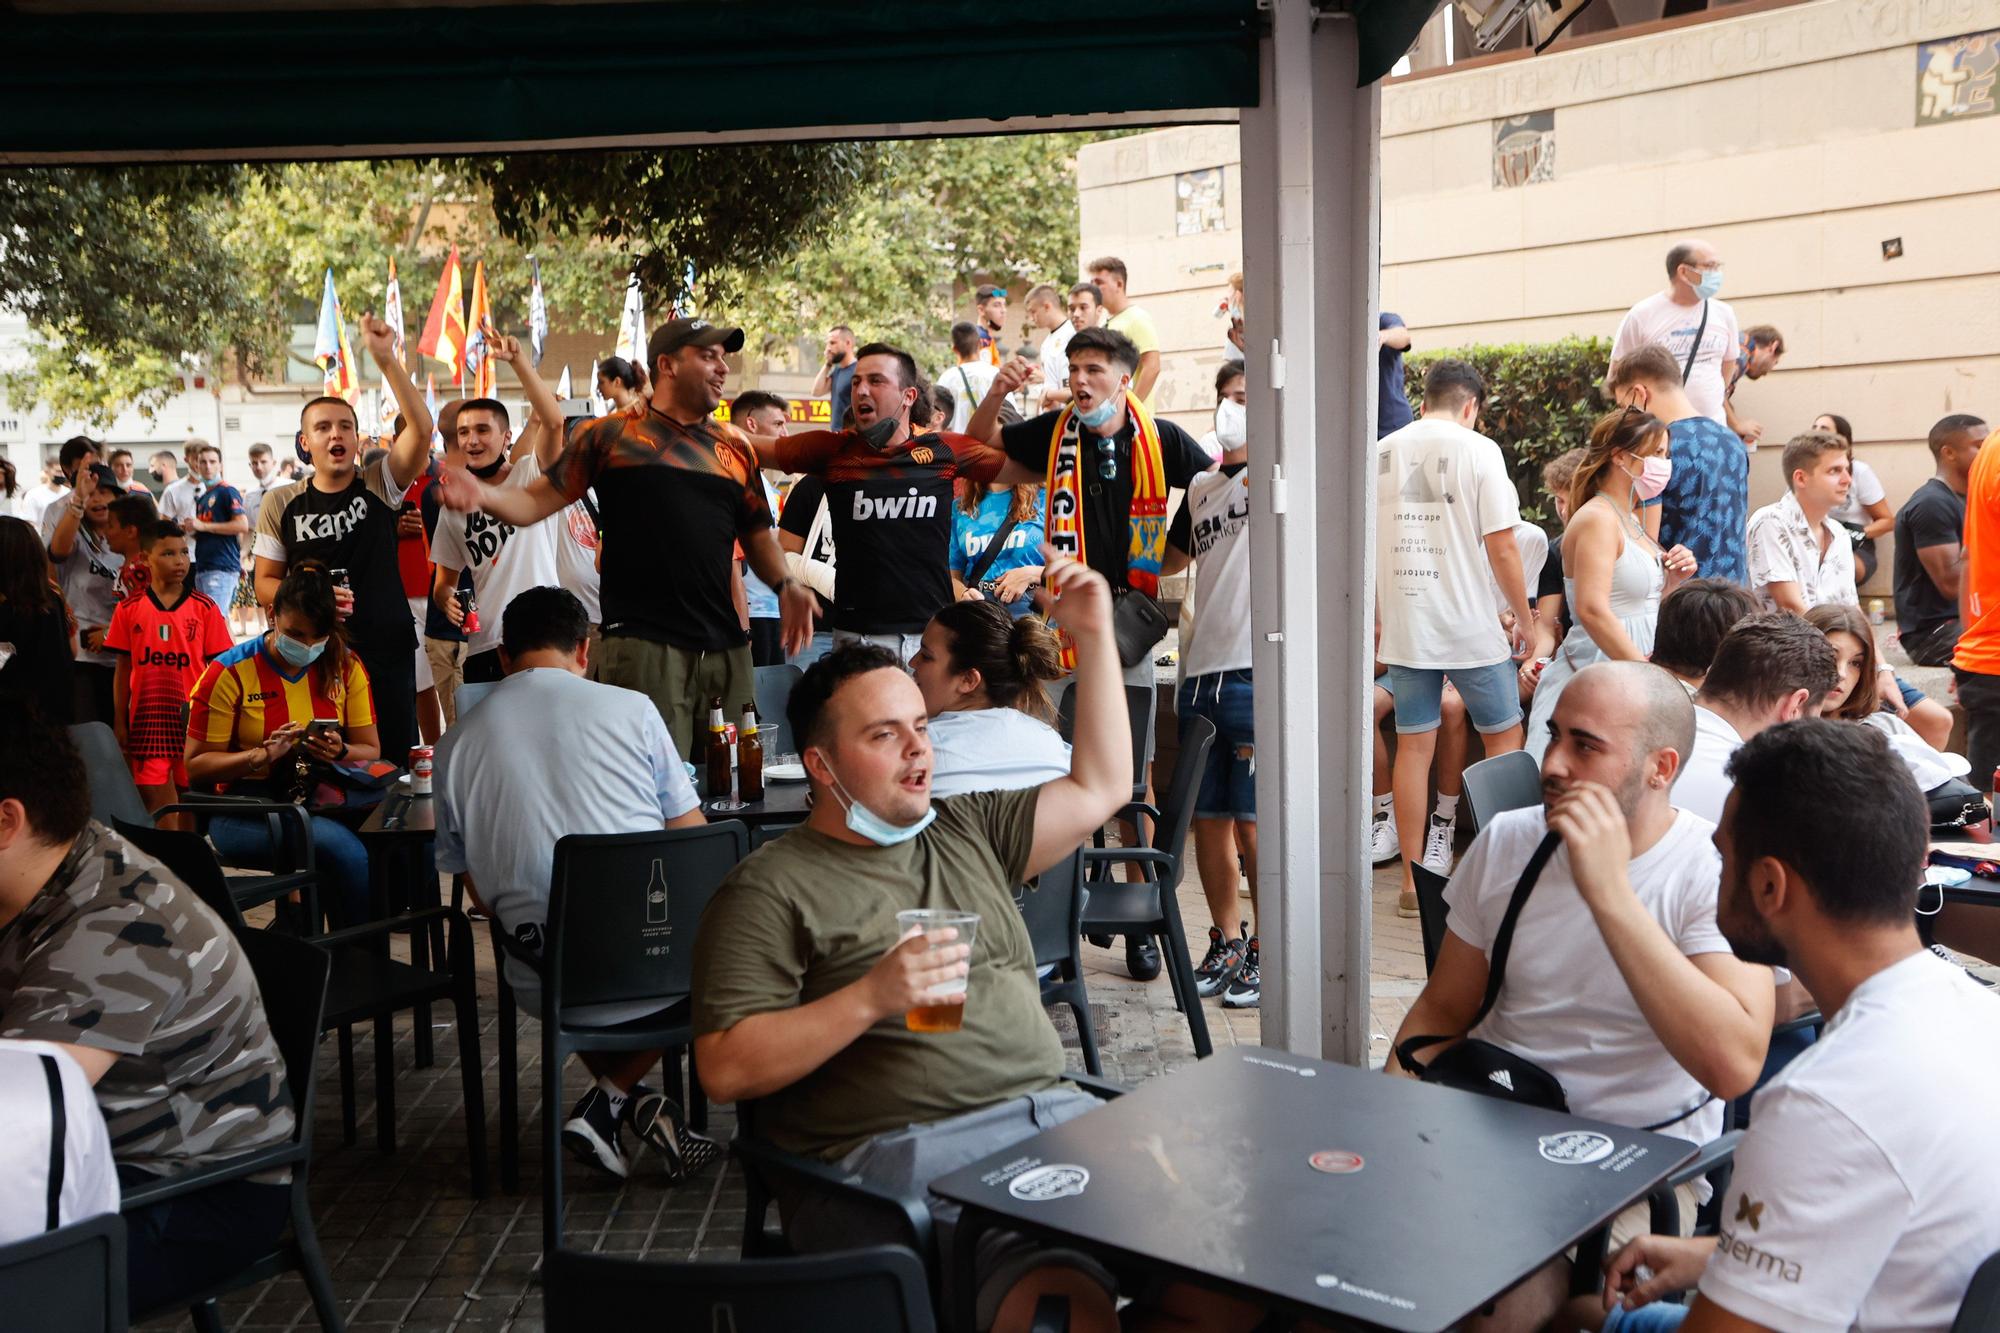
(1438, 839)
(1383, 844)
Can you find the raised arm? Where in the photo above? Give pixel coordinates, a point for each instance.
(411, 453)
(521, 506)
(1100, 765)
(547, 407)
(985, 423)
(62, 539)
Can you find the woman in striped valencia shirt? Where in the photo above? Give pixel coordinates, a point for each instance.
(248, 719)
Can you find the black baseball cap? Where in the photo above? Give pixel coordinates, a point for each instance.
(678, 333)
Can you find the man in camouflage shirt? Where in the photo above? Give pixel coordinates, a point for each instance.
(105, 954)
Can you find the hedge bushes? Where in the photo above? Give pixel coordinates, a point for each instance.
(1540, 401)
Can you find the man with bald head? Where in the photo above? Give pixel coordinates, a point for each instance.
(1618, 981)
(1686, 318)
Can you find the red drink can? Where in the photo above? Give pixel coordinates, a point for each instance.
(421, 767)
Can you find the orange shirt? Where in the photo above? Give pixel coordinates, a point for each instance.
(1979, 647)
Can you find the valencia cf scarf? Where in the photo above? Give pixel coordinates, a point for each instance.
(1072, 463)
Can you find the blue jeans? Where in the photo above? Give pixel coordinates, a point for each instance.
(1658, 1317)
(218, 585)
(1492, 696)
(821, 645)
(337, 852)
(1229, 779)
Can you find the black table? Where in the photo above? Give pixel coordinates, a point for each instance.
(402, 815)
(783, 803)
(397, 832)
(1316, 1188)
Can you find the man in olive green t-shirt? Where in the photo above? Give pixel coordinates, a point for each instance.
(801, 983)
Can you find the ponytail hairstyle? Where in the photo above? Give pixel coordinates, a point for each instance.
(1013, 657)
(1626, 430)
(617, 368)
(308, 589)
(1831, 618)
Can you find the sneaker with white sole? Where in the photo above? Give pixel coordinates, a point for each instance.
(591, 1134)
(1220, 965)
(1246, 990)
(1438, 840)
(1383, 844)
(659, 1123)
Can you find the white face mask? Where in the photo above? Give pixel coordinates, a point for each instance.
(1231, 425)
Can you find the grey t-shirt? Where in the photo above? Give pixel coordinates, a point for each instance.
(89, 579)
(115, 954)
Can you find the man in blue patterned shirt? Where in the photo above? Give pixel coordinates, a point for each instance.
(1706, 505)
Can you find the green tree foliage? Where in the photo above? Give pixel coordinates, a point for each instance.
(1541, 399)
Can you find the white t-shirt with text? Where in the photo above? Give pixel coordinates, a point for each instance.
(1218, 513)
(507, 561)
(1661, 319)
(1440, 489)
(1564, 1003)
(1865, 1192)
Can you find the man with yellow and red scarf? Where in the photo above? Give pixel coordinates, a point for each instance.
(1108, 466)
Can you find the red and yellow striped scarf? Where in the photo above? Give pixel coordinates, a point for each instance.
(1071, 464)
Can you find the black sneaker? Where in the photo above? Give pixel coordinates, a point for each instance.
(1245, 991)
(1220, 966)
(591, 1134)
(659, 1122)
(1952, 958)
(1142, 957)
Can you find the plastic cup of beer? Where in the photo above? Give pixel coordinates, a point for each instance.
(942, 1017)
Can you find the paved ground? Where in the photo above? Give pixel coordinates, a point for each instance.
(410, 1248)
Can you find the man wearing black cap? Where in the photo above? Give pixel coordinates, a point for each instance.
(676, 490)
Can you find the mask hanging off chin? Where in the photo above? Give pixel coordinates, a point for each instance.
(867, 824)
(490, 471)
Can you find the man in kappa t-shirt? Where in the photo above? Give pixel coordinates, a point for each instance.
(344, 515)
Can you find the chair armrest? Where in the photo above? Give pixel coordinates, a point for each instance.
(829, 1178)
(208, 805)
(1097, 1086)
(1111, 855)
(1720, 1149)
(1131, 808)
(236, 1168)
(402, 921)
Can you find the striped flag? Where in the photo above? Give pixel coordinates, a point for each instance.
(632, 326)
(392, 314)
(479, 365)
(331, 348)
(538, 314)
(443, 338)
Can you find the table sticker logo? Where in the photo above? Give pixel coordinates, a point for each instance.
(1055, 1181)
(1576, 1147)
(1336, 1162)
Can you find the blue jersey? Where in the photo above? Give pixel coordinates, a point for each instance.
(218, 504)
(972, 533)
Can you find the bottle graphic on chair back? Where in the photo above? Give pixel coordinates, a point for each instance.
(718, 754)
(656, 895)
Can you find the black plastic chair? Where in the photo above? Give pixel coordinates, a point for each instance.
(1148, 906)
(1141, 714)
(773, 691)
(1431, 911)
(1052, 909)
(763, 833)
(367, 985)
(71, 1280)
(292, 978)
(880, 1288)
(612, 939)
(1979, 1312)
(113, 794)
(1510, 781)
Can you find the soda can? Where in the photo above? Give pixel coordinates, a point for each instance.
(1875, 610)
(421, 768)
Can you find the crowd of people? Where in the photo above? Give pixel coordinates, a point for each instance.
(1694, 680)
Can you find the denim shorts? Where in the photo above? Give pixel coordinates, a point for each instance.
(1658, 1317)
(1492, 696)
(1229, 779)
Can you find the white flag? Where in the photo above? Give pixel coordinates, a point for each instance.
(562, 385)
(632, 325)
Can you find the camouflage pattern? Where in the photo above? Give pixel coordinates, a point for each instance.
(116, 954)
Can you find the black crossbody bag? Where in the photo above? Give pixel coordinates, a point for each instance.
(1480, 1066)
(975, 577)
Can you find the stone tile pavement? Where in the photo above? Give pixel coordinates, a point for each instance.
(410, 1248)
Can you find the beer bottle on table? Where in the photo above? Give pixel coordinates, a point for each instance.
(718, 753)
(749, 758)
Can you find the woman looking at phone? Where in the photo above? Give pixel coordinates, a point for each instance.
(295, 693)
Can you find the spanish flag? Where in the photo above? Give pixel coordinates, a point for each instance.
(444, 332)
(331, 348)
(478, 361)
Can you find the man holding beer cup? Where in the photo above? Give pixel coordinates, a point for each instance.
(907, 1050)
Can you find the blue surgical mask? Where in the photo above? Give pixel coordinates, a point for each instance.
(868, 824)
(1097, 416)
(297, 655)
(1710, 284)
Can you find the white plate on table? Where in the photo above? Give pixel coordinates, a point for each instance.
(785, 772)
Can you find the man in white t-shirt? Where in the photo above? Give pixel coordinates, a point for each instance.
(549, 753)
(1045, 312)
(1619, 982)
(505, 561)
(1444, 536)
(1800, 557)
(43, 1087)
(1863, 1195)
(969, 380)
(177, 497)
(1687, 319)
(1212, 530)
(1769, 668)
